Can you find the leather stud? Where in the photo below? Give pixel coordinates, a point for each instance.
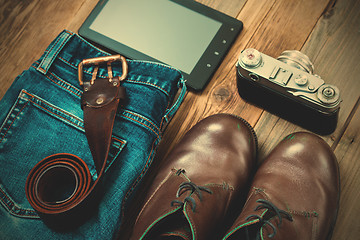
(99, 101)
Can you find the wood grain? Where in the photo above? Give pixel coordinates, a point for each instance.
(27, 28)
(229, 7)
(348, 155)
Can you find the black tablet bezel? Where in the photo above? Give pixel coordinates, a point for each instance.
(208, 62)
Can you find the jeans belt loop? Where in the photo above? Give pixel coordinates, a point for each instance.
(53, 50)
(172, 110)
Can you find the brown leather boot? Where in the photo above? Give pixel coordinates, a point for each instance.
(201, 178)
(294, 194)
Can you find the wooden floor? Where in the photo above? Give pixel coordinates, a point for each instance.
(328, 31)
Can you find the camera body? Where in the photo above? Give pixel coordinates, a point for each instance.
(287, 87)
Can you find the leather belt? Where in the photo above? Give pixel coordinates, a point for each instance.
(60, 187)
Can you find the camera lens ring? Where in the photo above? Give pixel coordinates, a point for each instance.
(297, 59)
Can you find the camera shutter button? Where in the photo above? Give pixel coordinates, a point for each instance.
(250, 58)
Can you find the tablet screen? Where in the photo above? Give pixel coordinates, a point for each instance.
(184, 34)
(161, 29)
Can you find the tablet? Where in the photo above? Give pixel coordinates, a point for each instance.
(184, 34)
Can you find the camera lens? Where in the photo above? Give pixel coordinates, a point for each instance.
(297, 59)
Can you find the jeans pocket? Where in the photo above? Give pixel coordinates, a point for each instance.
(34, 129)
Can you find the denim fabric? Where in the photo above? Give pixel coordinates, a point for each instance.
(40, 115)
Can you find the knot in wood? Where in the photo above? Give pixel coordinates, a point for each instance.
(221, 94)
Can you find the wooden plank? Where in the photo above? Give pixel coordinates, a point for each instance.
(26, 29)
(334, 49)
(348, 155)
(287, 26)
(83, 12)
(338, 62)
(229, 7)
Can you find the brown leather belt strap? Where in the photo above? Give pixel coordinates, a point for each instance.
(59, 187)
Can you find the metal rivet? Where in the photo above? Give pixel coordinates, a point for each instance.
(99, 100)
(115, 84)
(329, 92)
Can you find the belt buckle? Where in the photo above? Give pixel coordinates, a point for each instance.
(102, 60)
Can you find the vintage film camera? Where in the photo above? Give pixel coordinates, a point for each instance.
(287, 87)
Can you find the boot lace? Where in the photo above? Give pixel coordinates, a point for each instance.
(274, 211)
(194, 189)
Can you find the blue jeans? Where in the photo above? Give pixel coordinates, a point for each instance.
(40, 115)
